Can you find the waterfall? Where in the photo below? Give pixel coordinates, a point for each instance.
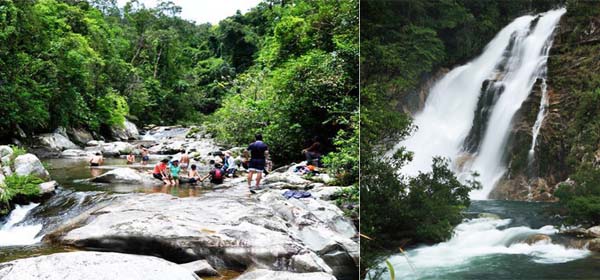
(12, 234)
(535, 131)
(467, 115)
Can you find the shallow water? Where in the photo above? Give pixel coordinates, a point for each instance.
(71, 174)
(487, 248)
(22, 230)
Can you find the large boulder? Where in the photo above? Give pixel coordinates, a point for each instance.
(76, 153)
(48, 187)
(127, 176)
(322, 227)
(55, 142)
(80, 135)
(538, 238)
(594, 232)
(111, 148)
(29, 164)
(594, 245)
(93, 266)
(126, 132)
(264, 274)
(224, 228)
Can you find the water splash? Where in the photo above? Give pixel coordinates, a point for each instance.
(12, 234)
(476, 238)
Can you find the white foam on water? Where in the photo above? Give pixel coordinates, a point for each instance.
(477, 238)
(11, 235)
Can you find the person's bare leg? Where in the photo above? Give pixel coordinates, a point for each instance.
(250, 173)
(258, 177)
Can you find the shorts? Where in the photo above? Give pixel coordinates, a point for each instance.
(217, 181)
(94, 164)
(145, 158)
(257, 164)
(183, 165)
(157, 176)
(192, 181)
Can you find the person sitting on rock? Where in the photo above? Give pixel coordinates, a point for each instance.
(193, 175)
(215, 174)
(313, 153)
(97, 159)
(231, 166)
(161, 172)
(131, 158)
(174, 169)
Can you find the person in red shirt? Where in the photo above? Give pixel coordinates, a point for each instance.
(161, 172)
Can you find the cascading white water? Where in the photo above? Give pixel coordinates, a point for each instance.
(512, 60)
(535, 131)
(11, 235)
(476, 238)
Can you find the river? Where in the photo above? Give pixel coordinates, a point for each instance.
(492, 248)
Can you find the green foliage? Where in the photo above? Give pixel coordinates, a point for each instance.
(402, 44)
(286, 70)
(343, 163)
(16, 185)
(349, 196)
(581, 200)
(303, 84)
(113, 108)
(17, 151)
(395, 208)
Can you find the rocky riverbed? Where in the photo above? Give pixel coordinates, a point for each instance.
(219, 228)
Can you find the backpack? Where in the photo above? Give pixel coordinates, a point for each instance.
(218, 174)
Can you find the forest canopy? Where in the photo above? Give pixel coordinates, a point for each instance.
(287, 70)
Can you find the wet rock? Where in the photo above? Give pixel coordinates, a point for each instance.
(29, 164)
(92, 266)
(201, 268)
(48, 187)
(127, 176)
(575, 232)
(535, 238)
(488, 216)
(593, 232)
(263, 274)
(55, 142)
(126, 132)
(594, 245)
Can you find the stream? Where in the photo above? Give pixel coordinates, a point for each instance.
(22, 230)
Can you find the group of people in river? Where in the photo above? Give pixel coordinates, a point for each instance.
(255, 159)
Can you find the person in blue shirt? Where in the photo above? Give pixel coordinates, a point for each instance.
(258, 152)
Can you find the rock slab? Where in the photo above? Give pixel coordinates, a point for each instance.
(93, 266)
